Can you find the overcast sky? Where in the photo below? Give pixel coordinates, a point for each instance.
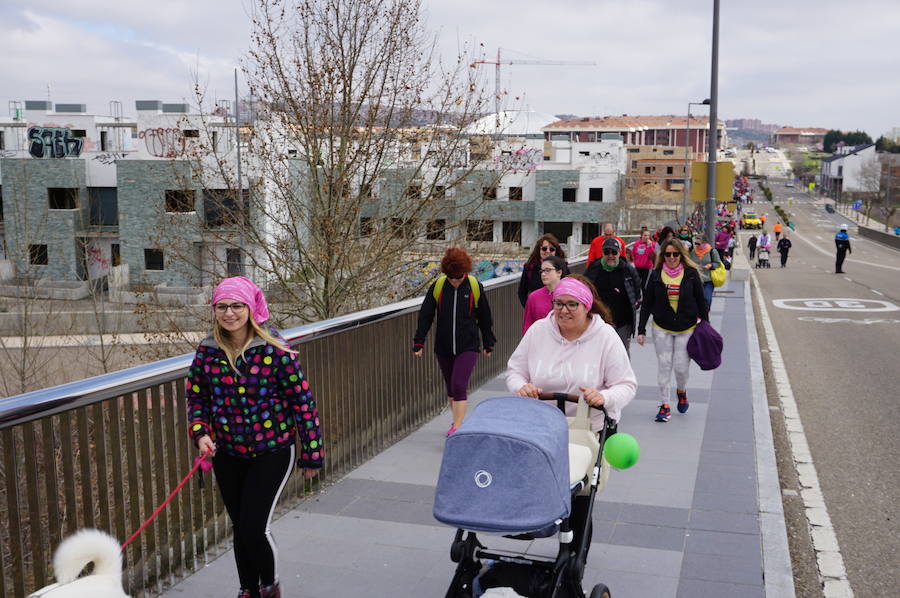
(814, 63)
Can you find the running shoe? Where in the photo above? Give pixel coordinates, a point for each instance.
(664, 413)
(682, 401)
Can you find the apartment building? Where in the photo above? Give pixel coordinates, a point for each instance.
(811, 137)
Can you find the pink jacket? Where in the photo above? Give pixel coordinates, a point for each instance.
(537, 306)
(595, 360)
(643, 254)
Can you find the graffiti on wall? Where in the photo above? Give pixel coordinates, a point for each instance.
(163, 143)
(520, 159)
(53, 142)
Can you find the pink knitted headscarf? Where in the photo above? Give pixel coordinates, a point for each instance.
(240, 288)
(575, 288)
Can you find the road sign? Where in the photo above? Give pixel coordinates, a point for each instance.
(835, 304)
(856, 205)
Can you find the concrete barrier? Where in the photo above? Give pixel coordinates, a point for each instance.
(881, 237)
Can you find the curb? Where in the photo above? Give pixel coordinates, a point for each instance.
(777, 570)
(829, 560)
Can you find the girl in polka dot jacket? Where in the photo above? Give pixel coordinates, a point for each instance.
(247, 398)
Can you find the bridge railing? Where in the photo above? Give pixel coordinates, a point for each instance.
(105, 451)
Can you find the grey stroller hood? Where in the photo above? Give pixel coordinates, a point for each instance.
(506, 470)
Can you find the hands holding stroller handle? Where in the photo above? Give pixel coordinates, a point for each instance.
(530, 390)
(592, 396)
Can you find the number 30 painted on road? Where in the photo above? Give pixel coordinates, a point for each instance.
(835, 304)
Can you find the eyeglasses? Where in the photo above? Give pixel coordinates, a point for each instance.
(569, 305)
(610, 252)
(671, 253)
(236, 308)
(549, 248)
(549, 270)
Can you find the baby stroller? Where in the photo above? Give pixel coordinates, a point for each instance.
(762, 257)
(519, 468)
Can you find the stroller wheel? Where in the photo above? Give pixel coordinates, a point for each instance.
(600, 591)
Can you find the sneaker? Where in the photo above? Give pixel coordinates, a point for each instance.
(452, 430)
(682, 401)
(664, 413)
(245, 593)
(272, 591)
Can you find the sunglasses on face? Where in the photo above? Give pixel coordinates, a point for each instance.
(671, 254)
(236, 308)
(549, 248)
(569, 305)
(610, 252)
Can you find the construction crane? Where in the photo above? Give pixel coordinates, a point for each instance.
(498, 62)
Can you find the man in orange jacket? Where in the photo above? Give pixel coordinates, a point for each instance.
(777, 229)
(596, 250)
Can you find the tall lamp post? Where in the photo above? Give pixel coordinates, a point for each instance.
(687, 145)
(713, 141)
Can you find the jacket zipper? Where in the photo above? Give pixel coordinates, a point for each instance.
(455, 289)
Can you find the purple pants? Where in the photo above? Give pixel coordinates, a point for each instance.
(457, 371)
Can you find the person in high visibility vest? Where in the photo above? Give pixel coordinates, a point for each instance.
(777, 230)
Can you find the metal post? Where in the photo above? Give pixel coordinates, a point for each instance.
(713, 131)
(687, 180)
(240, 185)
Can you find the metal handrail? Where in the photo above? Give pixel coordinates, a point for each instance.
(19, 409)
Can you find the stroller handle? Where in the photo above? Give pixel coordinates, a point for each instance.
(562, 398)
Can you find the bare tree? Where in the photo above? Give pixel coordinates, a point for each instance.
(871, 193)
(358, 165)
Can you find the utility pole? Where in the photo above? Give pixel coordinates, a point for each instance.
(713, 140)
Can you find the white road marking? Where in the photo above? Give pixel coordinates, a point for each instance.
(848, 279)
(877, 292)
(834, 304)
(867, 321)
(817, 236)
(828, 553)
(797, 235)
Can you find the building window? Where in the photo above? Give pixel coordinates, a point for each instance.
(179, 200)
(62, 198)
(646, 170)
(234, 262)
(115, 251)
(489, 193)
(153, 259)
(403, 228)
(366, 226)
(1, 205)
(413, 191)
(479, 230)
(633, 150)
(512, 232)
(103, 144)
(568, 194)
(439, 192)
(79, 133)
(634, 165)
(669, 170)
(37, 255)
(195, 133)
(595, 194)
(220, 207)
(668, 152)
(2, 141)
(589, 230)
(436, 230)
(515, 194)
(215, 141)
(104, 206)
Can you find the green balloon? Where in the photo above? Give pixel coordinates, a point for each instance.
(621, 450)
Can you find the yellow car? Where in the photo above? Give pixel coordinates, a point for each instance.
(751, 220)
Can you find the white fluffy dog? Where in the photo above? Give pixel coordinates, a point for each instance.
(87, 546)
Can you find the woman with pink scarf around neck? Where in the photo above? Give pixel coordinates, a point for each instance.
(574, 351)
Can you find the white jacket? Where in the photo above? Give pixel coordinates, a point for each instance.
(597, 359)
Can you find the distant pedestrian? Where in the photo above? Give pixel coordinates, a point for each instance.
(596, 250)
(674, 297)
(643, 254)
(539, 302)
(784, 246)
(777, 230)
(247, 402)
(842, 244)
(464, 326)
(530, 281)
(707, 260)
(665, 234)
(764, 239)
(619, 287)
(751, 247)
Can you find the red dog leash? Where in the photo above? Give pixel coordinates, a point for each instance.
(200, 463)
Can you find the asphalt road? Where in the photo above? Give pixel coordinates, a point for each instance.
(844, 368)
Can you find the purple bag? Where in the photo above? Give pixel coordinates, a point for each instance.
(705, 346)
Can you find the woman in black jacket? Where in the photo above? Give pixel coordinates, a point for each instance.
(463, 325)
(531, 281)
(674, 297)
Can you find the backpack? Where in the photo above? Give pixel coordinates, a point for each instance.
(473, 283)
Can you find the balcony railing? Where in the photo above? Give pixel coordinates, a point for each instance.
(105, 451)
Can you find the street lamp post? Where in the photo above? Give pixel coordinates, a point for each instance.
(687, 144)
(713, 141)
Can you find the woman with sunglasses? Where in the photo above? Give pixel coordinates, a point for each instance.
(546, 246)
(247, 399)
(674, 297)
(464, 325)
(574, 350)
(539, 301)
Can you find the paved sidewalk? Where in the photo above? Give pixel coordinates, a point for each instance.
(692, 518)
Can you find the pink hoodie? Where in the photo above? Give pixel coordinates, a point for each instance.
(538, 305)
(595, 360)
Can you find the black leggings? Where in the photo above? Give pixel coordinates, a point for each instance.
(250, 489)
